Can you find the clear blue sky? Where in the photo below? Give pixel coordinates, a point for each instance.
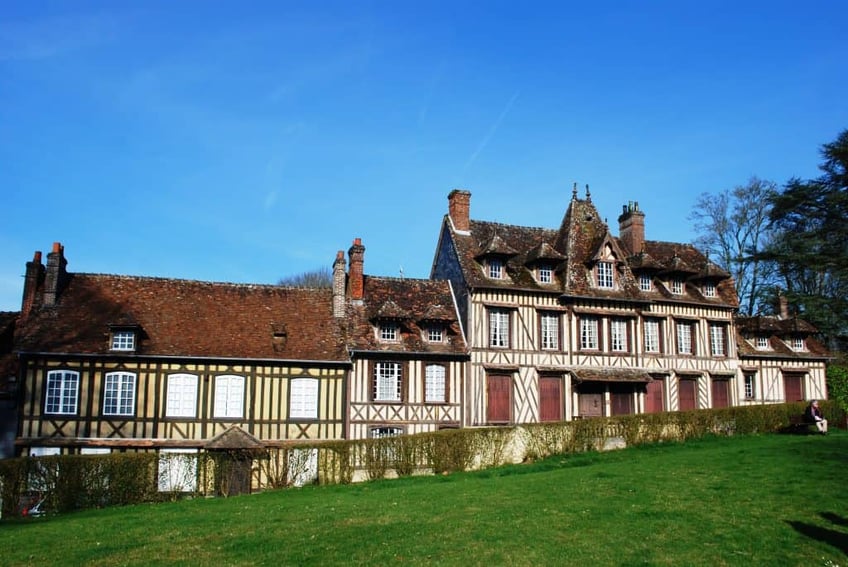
(247, 141)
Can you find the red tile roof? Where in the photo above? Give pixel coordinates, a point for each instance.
(184, 318)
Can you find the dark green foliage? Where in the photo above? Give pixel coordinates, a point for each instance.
(811, 245)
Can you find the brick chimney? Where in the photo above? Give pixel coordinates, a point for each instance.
(459, 209)
(33, 280)
(56, 275)
(631, 227)
(356, 253)
(339, 284)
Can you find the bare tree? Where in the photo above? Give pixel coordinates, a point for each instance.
(321, 277)
(733, 227)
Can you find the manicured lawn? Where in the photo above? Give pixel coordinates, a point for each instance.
(763, 500)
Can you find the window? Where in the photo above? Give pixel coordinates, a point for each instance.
(435, 334)
(589, 333)
(717, 334)
(62, 392)
(797, 344)
(605, 279)
(763, 343)
(123, 340)
(303, 401)
(677, 287)
(652, 335)
(618, 335)
(435, 384)
(495, 268)
(387, 382)
(389, 332)
(545, 274)
(684, 338)
(380, 432)
(709, 289)
(750, 386)
(229, 396)
(645, 282)
(119, 397)
(182, 396)
(549, 323)
(499, 328)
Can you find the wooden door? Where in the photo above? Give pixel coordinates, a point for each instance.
(721, 393)
(793, 385)
(233, 473)
(655, 397)
(687, 394)
(550, 398)
(499, 399)
(590, 400)
(621, 399)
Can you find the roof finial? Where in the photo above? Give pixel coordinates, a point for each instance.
(574, 192)
(588, 195)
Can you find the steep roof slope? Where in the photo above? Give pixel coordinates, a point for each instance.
(185, 318)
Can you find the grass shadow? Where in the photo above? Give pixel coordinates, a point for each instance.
(833, 538)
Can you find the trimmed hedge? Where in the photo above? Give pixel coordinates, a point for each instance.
(73, 482)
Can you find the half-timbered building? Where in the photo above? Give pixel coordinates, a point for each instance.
(408, 353)
(780, 359)
(138, 363)
(575, 322)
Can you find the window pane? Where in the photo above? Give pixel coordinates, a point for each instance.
(119, 394)
(605, 279)
(229, 396)
(652, 336)
(182, 395)
(304, 398)
(498, 328)
(387, 381)
(589, 333)
(684, 338)
(618, 329)
(550, 331)
(62, 389)
(717, 340)
(434, 383)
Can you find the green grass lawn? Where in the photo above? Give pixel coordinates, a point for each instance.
(761, 500)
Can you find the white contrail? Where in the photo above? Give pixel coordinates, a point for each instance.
(491, 133)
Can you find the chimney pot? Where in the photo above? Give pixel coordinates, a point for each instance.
(631, 228)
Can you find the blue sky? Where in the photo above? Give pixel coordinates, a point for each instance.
(248, 141)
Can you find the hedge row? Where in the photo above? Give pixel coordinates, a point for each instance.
(72, 482)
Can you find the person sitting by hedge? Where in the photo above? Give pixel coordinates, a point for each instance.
(814, 415)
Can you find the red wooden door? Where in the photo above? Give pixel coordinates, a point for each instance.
(499, 398)
(550, 398)
(590, 400)
(721, 393)
(687, 394)
(793, 385)
(622, 403)
(655, 398)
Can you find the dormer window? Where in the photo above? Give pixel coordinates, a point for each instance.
(545, 273)
(495, 268)
(435, 334)
(677, 286)
(123, 340)
(605, 277)
(798, 344)
(709, 289)
(389, 332)
(762, 343)
(645, 282)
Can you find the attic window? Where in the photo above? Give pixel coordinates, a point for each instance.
(605, 278)
(677, 286)
(389, 332)
(798, 344)
(709, 289)
(545, 273)
(435, 334)
(645, 282)
(495, 268)
(762, 343)
(123, 340)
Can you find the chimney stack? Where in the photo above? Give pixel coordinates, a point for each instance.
(54, 279)
(459, 209)
(631, 227)
(339, 285)
(356, 253)
(783, 306)
(32, 281)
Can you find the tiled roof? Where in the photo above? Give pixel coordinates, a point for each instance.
(420, 301)
(778, 330)
(573, 249)
(185, 318)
